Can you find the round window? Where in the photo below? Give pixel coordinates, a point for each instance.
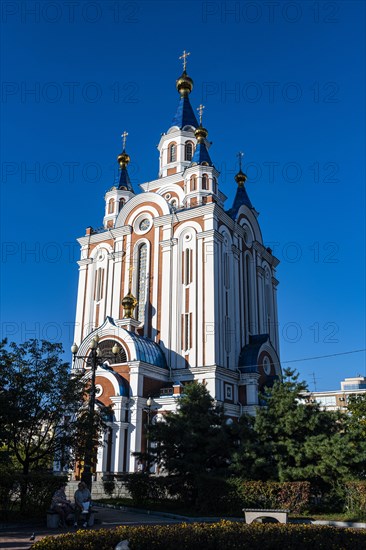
(267, 365)
(144, 224)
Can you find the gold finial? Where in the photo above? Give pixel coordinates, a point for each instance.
(129, 302)
(240, 177)
(240, 156)
(123, 159)
(200, 112)
(184, 83)
(124, 136)
(201, 133)
(184, 57)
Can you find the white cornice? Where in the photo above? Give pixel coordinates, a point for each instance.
(100, 237)
(161, 182)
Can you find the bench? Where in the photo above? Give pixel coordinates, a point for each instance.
(91, 519)
(252, 514)
(53, 518)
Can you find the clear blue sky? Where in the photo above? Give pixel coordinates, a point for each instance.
(282, 81)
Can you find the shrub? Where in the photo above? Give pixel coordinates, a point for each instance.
(293, 495)
(356, 497)
(228, 535)
(109, 486)
(33, 491)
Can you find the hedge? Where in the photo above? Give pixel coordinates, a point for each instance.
(226, 535)
(356, 497)
(32, 492)
(292, 495)
(230, 495)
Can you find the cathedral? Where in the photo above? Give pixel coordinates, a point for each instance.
(175, 287)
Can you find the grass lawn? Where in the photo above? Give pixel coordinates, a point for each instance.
(178, 508)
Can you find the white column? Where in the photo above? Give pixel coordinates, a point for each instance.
(166, 298)
(235, 309)
(199, 308)
(154, 306)
(251, 383)
(211, 293)
(83, 267)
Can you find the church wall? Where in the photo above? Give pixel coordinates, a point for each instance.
(209, 287)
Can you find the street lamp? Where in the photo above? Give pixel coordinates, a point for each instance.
(95, 358)
(148, 410)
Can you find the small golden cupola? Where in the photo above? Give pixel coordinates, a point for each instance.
(123, 159)
(122, 190)
(201, 154)
(241, 196)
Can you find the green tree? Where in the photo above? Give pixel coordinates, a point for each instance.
(290, 439)
(196, 439)
(39, 404)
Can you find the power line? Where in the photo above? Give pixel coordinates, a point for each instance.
(323, 356)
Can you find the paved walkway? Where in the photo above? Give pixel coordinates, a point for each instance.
(17, 537)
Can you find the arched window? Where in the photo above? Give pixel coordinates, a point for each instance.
(111, 206)
(193, 181)
(187, 266)
(226, 267)
(99, 284)
(205, 181)
(121, 203)
(268, 299)
(141, 282)
(172, 152)
(188, 151)
(106, 347)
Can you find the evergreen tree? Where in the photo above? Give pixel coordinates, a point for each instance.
(196, 439)
(291, 439)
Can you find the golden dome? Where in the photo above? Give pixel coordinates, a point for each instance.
(123, 159)
(184, 84)
(240, 178)
(129, 303)
(201, 134)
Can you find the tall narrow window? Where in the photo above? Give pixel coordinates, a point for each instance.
(188, 151)
(193, 183)
(187, 266)
(205, 181)
(226, 270)
(172, 152)
(141, 282)
(227, 334)
(268, 299)
(186, 331)
(99, 284)
(121, 204)
(111, 206)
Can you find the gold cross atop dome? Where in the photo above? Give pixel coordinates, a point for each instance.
(240, 156)
(124, 136)
(184, 57)
(200, 112)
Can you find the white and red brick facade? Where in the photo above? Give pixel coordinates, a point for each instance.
(205, 287)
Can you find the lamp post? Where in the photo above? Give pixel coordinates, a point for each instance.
(148, 410)
(94, 358)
